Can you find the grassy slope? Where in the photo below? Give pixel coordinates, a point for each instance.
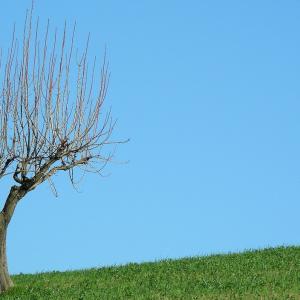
(266, 274)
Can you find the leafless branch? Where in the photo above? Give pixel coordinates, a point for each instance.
(50, 122)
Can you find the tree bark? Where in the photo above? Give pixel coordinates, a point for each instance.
(5, 280)
(16, 193)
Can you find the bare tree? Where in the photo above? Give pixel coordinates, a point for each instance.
(49, 122)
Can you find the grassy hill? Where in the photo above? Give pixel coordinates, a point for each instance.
(265, 274)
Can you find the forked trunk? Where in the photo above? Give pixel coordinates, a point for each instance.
(5, 280)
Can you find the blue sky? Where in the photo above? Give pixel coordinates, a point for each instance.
(209, 94)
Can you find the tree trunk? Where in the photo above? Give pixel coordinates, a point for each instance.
(16, 193)
(5, 280)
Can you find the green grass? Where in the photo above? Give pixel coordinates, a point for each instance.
(264, 274)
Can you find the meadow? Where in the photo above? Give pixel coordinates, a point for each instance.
(272, 273)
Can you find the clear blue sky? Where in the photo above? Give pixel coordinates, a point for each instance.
(209, 93)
